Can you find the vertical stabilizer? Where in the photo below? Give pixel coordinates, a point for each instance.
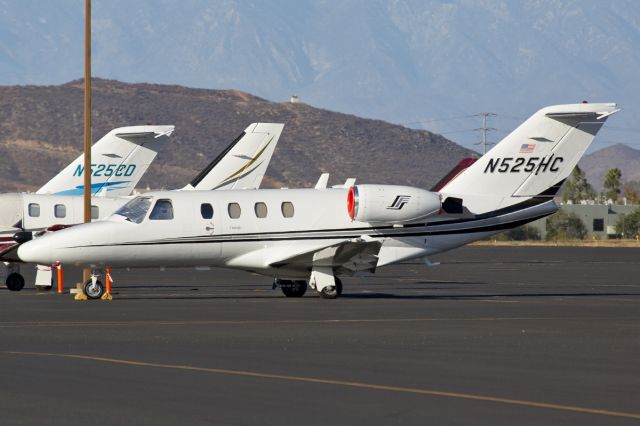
(242, 164)
(533, 160)
(118, 161)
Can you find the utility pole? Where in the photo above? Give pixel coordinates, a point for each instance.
(87, 120)
(484, 129)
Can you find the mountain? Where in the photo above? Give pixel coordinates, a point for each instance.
(433, 61)
(622, 156)
(41, 131)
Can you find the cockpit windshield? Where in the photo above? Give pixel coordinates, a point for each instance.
(136, 209)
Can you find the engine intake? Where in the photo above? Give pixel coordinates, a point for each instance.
(391, 204)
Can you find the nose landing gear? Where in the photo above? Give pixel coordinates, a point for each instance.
(93, 287)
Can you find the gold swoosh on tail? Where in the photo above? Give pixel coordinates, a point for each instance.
(249, 163)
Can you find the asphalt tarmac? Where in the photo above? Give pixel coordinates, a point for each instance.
(492, 336)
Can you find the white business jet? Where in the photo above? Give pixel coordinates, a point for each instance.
(241, 165)
(121, 158)
(312, 236)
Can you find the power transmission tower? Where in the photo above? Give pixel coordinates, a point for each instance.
(484, 129)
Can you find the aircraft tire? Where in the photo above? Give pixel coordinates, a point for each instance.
(329, 292)
(91, 291)
(293, 288)
(15, 281)
(332, 292)
(339, 286)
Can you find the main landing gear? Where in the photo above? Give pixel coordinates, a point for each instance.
(293, 288)
(332, 291)
(298, 288)
(15, 281)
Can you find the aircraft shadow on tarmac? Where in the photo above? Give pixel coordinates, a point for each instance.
(372, 296)
(476, 296)
(202, 297)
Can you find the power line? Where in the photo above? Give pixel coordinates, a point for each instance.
(610, 142)
(458, 131)
(623, 129)
(433, 120)
(484, 129)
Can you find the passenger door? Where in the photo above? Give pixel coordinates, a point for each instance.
(209, 226)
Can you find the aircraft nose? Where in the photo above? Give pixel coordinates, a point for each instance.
(36, 251)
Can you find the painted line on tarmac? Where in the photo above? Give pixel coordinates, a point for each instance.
(27, 324)
(23, 324)
(334, 382)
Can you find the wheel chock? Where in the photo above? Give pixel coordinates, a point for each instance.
(80, 296)
(107, 296)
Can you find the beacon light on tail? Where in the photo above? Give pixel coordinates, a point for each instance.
(391, 204)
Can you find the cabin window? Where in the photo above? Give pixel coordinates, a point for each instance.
(95, 212)
(234, 210)
(135, 210)
(60, 210)
(261, 210)
(287, 209)
(206, 211)
(34, 209)
(163, 210)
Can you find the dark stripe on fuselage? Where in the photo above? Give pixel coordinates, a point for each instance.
(321, 234)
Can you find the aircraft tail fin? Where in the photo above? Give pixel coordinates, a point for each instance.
(533, 160)
(118, 161)
(243, 163)
(464, 164)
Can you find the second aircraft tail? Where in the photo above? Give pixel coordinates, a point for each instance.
(118, 161)
(243, 163)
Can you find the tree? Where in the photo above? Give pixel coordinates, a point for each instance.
(521, 233)
(612, 184)
(628, 226)
(563, 226)
(578, 188)
(631, 191)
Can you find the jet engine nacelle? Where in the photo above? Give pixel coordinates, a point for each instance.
(391, 203)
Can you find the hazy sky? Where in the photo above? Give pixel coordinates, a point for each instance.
(434, 64)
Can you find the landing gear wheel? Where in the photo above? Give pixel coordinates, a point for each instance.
(293, 288)
(332, 292)
(15, 281)
(93, 291)
(329, 292)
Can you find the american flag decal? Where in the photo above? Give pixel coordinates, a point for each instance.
(527, 148)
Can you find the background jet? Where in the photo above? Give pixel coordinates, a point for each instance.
(241, 165)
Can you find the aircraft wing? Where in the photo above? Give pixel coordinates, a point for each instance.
(346, 256)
